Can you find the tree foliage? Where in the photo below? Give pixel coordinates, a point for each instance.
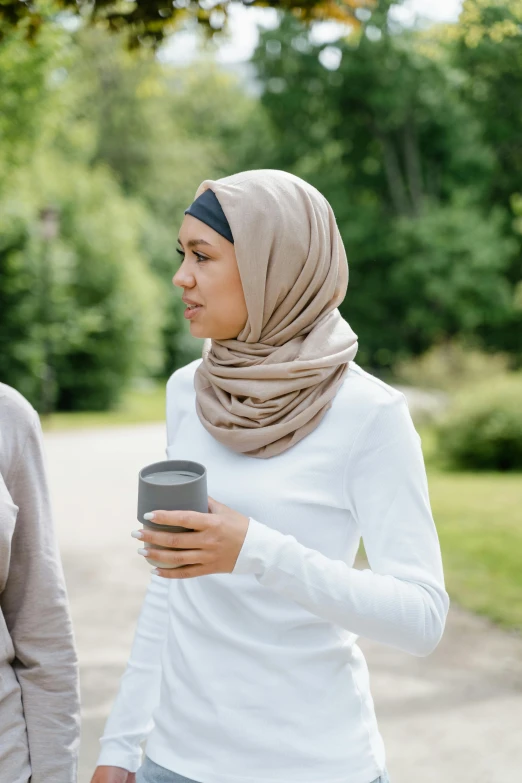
(103, 322)
(148, 21)
(407, 164)
(161, 131)
(118, 144)
(411, 134)
(488, 50)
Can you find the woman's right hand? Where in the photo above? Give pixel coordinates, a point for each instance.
(105, 774)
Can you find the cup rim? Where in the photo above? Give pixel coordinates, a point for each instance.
(164, 466)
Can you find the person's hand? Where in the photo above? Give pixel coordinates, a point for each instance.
(104, 774)
(212, 548)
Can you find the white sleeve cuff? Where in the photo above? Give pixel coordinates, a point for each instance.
(259, 548)
(113, 755)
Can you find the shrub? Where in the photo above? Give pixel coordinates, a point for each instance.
(482, 428)
(450, 365)
(105, 305)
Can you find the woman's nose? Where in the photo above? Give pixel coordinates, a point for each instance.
(181, 278)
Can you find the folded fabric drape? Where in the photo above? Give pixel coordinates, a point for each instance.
(265, 390)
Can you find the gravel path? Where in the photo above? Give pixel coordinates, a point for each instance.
(453, 717)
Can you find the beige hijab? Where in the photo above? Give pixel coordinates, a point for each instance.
(264, 391)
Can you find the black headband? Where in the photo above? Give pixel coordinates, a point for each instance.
(208, 209)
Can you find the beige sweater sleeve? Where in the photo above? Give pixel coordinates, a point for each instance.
(36, 612)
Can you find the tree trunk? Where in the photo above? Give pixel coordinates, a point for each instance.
(413, 165)
(394, 176)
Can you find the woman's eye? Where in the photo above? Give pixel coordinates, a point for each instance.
(199, 257)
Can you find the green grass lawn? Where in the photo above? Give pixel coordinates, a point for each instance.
(138, 406)
(479, 521)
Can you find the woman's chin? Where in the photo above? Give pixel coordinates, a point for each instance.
(201, 332)
(206, 332)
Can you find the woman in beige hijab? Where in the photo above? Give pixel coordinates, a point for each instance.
(245, 666)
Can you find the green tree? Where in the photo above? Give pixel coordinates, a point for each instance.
(162, 130)
(401, 156)
(487, 47)
(103, 302)
(118, 143)
(103, 299)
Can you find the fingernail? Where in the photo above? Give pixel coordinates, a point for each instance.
(144, 552)
(137, 534)
(155, 571)
(149, 515)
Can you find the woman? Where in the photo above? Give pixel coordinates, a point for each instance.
(39, 689)
(245, 666)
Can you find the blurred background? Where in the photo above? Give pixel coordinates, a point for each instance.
(408, 117)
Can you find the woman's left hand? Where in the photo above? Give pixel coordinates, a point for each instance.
(212, 548)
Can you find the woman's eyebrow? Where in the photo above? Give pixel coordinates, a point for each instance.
(194, 242)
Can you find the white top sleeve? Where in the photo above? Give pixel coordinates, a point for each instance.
(401, 600)
(130, 720)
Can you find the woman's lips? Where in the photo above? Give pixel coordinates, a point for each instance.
(190, 312)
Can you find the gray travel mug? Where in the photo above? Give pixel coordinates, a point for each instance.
(167, 486)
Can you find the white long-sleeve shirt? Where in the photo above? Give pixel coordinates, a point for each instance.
(256, 676)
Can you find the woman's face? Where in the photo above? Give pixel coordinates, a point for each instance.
(209, 275)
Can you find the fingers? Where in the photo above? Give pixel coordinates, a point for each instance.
(194, 519)
(172, 540)
(107, 774)
(184, 572)
(183, 557)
